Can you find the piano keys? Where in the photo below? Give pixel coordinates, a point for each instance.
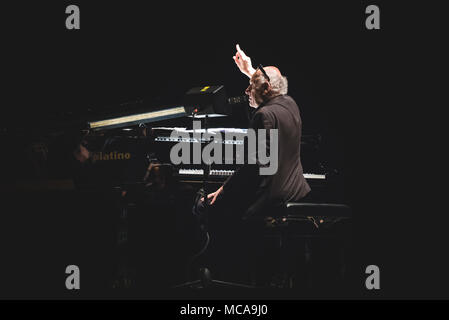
(185, 172)
(218, 176)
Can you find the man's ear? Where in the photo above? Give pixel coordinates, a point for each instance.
(266, 88)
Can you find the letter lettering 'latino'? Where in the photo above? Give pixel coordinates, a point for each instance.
(266, 155)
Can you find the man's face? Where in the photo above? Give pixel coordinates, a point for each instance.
(255, 90)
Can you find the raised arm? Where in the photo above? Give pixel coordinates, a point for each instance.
(243, 62)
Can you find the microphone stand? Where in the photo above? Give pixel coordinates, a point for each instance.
(204, 273)
(206, 169)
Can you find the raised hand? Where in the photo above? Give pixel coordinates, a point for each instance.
(243, 62)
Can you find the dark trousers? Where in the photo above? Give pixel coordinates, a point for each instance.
(238, 249)
(233, 241)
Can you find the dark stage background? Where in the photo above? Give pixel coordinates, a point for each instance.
(353, 86)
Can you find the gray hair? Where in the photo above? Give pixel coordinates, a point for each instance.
(279, 85)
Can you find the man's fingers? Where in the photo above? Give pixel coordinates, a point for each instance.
(240, 58)
(238, 47)
(208, 197)
(239, 54)
(240, 51)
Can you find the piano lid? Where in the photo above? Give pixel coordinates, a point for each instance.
(135, 119)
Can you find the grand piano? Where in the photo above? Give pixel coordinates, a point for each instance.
(128, 144)
(110, 170)
(120, 143)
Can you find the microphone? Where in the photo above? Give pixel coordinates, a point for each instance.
(237, 100)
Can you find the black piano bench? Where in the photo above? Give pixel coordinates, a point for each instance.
(298, 228)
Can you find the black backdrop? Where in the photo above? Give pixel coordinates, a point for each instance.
(351, 84)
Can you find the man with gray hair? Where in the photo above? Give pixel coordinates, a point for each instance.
(236, 245)
(274, 109)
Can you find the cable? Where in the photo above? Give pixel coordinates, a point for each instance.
(202, 250)
(199, 213)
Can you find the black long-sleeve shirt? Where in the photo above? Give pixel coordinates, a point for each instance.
(265, 192)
